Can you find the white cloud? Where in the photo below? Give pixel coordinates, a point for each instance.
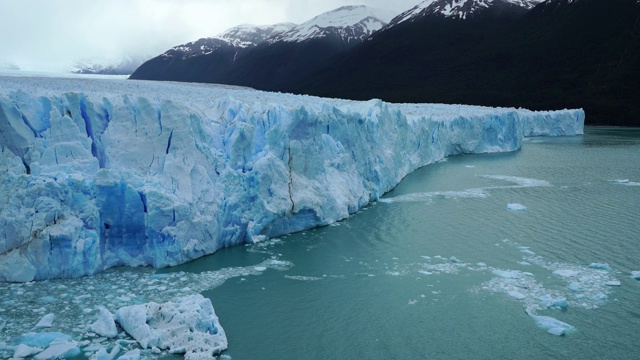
(54, 35)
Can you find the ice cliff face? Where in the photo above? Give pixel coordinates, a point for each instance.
(102, 173)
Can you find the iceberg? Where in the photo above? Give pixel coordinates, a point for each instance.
(516, 207)
(105, 325)
(599, 266)
(59, 349)
(131, 355)
(23, 351)
(102, 173)
(45, 322)
(552, 325)
(42, 339)
(188, 326)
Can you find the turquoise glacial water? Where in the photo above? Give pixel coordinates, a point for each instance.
(414, 275)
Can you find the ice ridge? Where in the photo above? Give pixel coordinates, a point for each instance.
(104, 173)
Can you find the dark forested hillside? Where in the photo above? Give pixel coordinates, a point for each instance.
(560, 54)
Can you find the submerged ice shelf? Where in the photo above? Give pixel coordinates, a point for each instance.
(101, 173)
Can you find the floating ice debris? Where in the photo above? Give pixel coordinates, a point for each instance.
(626, 182)
(600, 266)
(260, 268)
(599, 297)
(519, 181)
(566, 272)
(23, 351)
(427, 197)
(302, 278)
(59, 349)
(516, 207)
(426, 257)
(557, 331)
(635, 275)
(105, 324)
(470, 166)
(525, 250)
(574, 286)
(102, 354)
(548, 301)
(552, 325)
(412, 302)
(481, 264)
(74, 314)
(454, 259)
(612, 283)
(131, 355)
(444, 268)
(510, 274)
(42, 339)
(516, 295)
(45, 322)
(188, 326)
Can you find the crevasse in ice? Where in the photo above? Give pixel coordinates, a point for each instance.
(101, 173)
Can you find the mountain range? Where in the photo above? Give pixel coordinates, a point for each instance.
(278, 54)
(537, 54)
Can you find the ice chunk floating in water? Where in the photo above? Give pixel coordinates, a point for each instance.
(189, 326)
(516, 207)
(105, 324)
(102, 173)
(552, 325)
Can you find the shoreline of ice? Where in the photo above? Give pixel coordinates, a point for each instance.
(103, 173)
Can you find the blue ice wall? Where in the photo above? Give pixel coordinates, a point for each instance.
(157, 178)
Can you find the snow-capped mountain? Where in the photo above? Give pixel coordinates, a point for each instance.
(348, 23)
(266, 56)
(242, 36)
(460, 9)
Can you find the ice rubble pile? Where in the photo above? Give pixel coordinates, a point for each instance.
(100, 173)
(187, 326)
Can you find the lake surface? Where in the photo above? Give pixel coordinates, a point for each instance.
(383, 284)
(446, 266)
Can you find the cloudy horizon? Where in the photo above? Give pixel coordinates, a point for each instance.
(48, 35)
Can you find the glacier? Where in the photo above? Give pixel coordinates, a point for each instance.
(100, 173)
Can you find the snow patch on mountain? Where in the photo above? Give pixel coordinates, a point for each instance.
(348, 23)
(460, 9)
(241, 37)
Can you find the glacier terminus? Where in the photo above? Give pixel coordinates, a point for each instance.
(100, 173)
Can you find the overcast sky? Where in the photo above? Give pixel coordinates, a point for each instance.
(53, 35)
